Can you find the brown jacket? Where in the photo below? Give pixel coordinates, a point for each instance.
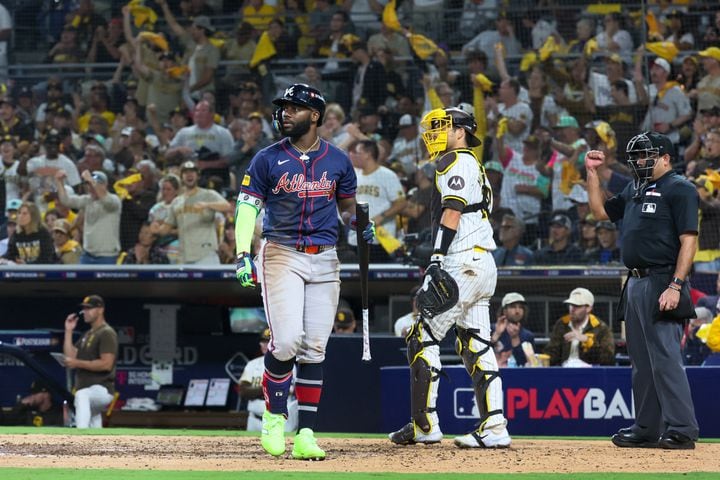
(599, 349)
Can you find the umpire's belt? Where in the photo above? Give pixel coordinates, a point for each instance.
(644, 272)
(313, 249)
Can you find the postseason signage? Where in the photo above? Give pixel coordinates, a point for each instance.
(546, 401)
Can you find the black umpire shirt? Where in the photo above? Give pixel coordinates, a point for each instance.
(652, 224)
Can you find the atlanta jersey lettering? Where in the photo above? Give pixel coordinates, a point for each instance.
(300, 196)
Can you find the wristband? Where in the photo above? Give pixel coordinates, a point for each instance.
(674, 287)
(678, 281)
(445, 236)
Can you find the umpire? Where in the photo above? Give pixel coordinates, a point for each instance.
(660, 222)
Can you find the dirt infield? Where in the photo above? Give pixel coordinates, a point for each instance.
(344, 455)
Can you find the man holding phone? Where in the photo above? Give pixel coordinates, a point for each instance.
(93, 357)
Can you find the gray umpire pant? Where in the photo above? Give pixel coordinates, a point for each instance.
(660, 386)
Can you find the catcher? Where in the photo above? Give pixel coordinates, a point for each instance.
(457, 287)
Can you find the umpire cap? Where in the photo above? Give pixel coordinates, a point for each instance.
(304, 95)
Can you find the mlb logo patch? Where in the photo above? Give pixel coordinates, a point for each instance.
(464, 403)
(649, 207)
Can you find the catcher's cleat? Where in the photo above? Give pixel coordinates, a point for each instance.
(306, 447)
(410, 435)
(484, 439)
(272, 436)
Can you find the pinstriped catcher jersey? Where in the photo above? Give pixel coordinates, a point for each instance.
(460, 177)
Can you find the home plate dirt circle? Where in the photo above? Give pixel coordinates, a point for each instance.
(343, 455)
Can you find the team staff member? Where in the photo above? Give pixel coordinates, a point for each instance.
(301, 181)
(660, 222)
(93, 357)
(463, 242)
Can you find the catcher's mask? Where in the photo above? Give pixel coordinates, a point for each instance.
(643, 151)
(436, 124)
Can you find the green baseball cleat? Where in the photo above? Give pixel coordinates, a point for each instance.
(305, 446)
(272, 436)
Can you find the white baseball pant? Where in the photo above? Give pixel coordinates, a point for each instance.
(90, 404)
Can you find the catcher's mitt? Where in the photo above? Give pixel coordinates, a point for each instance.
(438, 294)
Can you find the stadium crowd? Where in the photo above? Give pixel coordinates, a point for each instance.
(143, 166)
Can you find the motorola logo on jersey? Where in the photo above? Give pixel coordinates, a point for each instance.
(456, 183)
(298, 184)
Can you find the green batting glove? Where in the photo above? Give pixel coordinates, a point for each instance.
(245, 270)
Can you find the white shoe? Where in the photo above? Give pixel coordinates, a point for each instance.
(410, 435)
(484, 439)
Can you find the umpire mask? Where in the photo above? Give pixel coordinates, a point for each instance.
(642, 157)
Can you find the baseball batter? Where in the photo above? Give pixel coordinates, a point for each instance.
(463, 242)
(301, 181)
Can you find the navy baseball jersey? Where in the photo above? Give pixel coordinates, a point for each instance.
(300, 196)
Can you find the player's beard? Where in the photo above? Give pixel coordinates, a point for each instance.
(299, 129)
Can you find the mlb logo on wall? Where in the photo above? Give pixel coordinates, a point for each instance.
(649, 207)
(464, 405)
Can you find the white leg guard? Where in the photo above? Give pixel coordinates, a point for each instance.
(479, 360)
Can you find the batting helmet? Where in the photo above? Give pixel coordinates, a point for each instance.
(305, 95)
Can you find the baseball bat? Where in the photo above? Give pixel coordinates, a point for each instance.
(362, 214)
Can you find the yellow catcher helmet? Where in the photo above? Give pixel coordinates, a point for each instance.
(436, 124)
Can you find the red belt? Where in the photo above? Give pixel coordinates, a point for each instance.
(313, 249)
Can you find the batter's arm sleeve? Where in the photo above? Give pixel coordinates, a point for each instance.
(245, 214)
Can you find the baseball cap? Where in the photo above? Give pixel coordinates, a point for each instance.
(607, 225)
(406, 120)
(8, 101)
(512, 297)
(344, 318)
(589, 219)
(664, 64)
(581, 296)
(189, 165)
(562, 220)
(203, 22)
(24, 92)
(662, 143)
(92, 301)
(61, 225)
(712, 52)
(99, 177)
(127, 131)
(13, 204)
(256, 115)
(532, 141)
(614, 57)
(265, 335)
(39, 386)
(567, 121)
(578, 194)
